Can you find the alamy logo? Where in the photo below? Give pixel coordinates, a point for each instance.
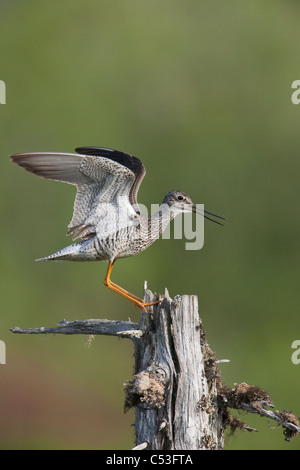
(2, 352)
(158, 223)
(296, 354)
(2, 92)
(295, 95)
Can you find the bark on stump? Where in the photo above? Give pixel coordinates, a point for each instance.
(174, 390)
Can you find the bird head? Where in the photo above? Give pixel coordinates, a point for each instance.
(180, 202)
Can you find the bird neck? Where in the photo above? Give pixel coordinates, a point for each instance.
(161, 219)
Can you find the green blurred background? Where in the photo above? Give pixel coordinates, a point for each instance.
(201, 92)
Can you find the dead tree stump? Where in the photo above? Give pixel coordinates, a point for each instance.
(179, 399)
(176, 402)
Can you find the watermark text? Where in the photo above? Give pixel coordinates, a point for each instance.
(2, 352)
(296, 94)
(2, 92)
(296, 354)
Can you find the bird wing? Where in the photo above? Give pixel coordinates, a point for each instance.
(101, 182)
(129, 161)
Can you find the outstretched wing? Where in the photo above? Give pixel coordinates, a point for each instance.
(100, 181)
(125, 159)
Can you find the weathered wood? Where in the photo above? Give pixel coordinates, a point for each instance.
(125, 329)
(176, 403)
(179, 399)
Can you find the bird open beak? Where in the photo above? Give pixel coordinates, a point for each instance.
(203, 212)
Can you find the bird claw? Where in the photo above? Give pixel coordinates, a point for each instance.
(143, 305)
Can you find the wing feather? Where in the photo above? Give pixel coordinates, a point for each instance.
(56, 166)
(99, 181)
(125, 159)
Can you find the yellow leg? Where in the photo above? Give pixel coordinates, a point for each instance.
(133, 298)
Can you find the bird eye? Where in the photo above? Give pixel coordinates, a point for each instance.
(180, 198)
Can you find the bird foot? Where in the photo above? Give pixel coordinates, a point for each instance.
(143, 305)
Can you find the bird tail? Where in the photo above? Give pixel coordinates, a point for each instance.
(81, 251)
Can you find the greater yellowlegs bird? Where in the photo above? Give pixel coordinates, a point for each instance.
(106, 214)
